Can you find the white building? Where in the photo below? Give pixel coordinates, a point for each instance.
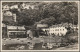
(7, 13)
(42, 25)
(27, 6)
(5, 7)
(58, 31)
(14, 7)
(14, 17)
(15, 30)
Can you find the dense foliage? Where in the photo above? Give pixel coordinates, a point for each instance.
(49, 13)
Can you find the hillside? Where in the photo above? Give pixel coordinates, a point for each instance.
(49, 13)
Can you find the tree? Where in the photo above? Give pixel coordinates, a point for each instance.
(49, 21)
(49, 13)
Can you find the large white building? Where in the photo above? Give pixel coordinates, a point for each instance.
(58, 31)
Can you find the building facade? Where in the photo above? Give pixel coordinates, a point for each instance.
(58, 31)
(16, 31)
(28, 6)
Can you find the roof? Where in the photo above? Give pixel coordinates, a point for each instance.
(42, 25)
(64, 25)
(16, 27)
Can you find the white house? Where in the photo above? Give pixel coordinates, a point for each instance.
(5, 7)
(27, 6)
(14, 7)
(7, 13)
(58, 31)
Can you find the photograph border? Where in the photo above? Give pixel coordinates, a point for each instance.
(36, 1)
